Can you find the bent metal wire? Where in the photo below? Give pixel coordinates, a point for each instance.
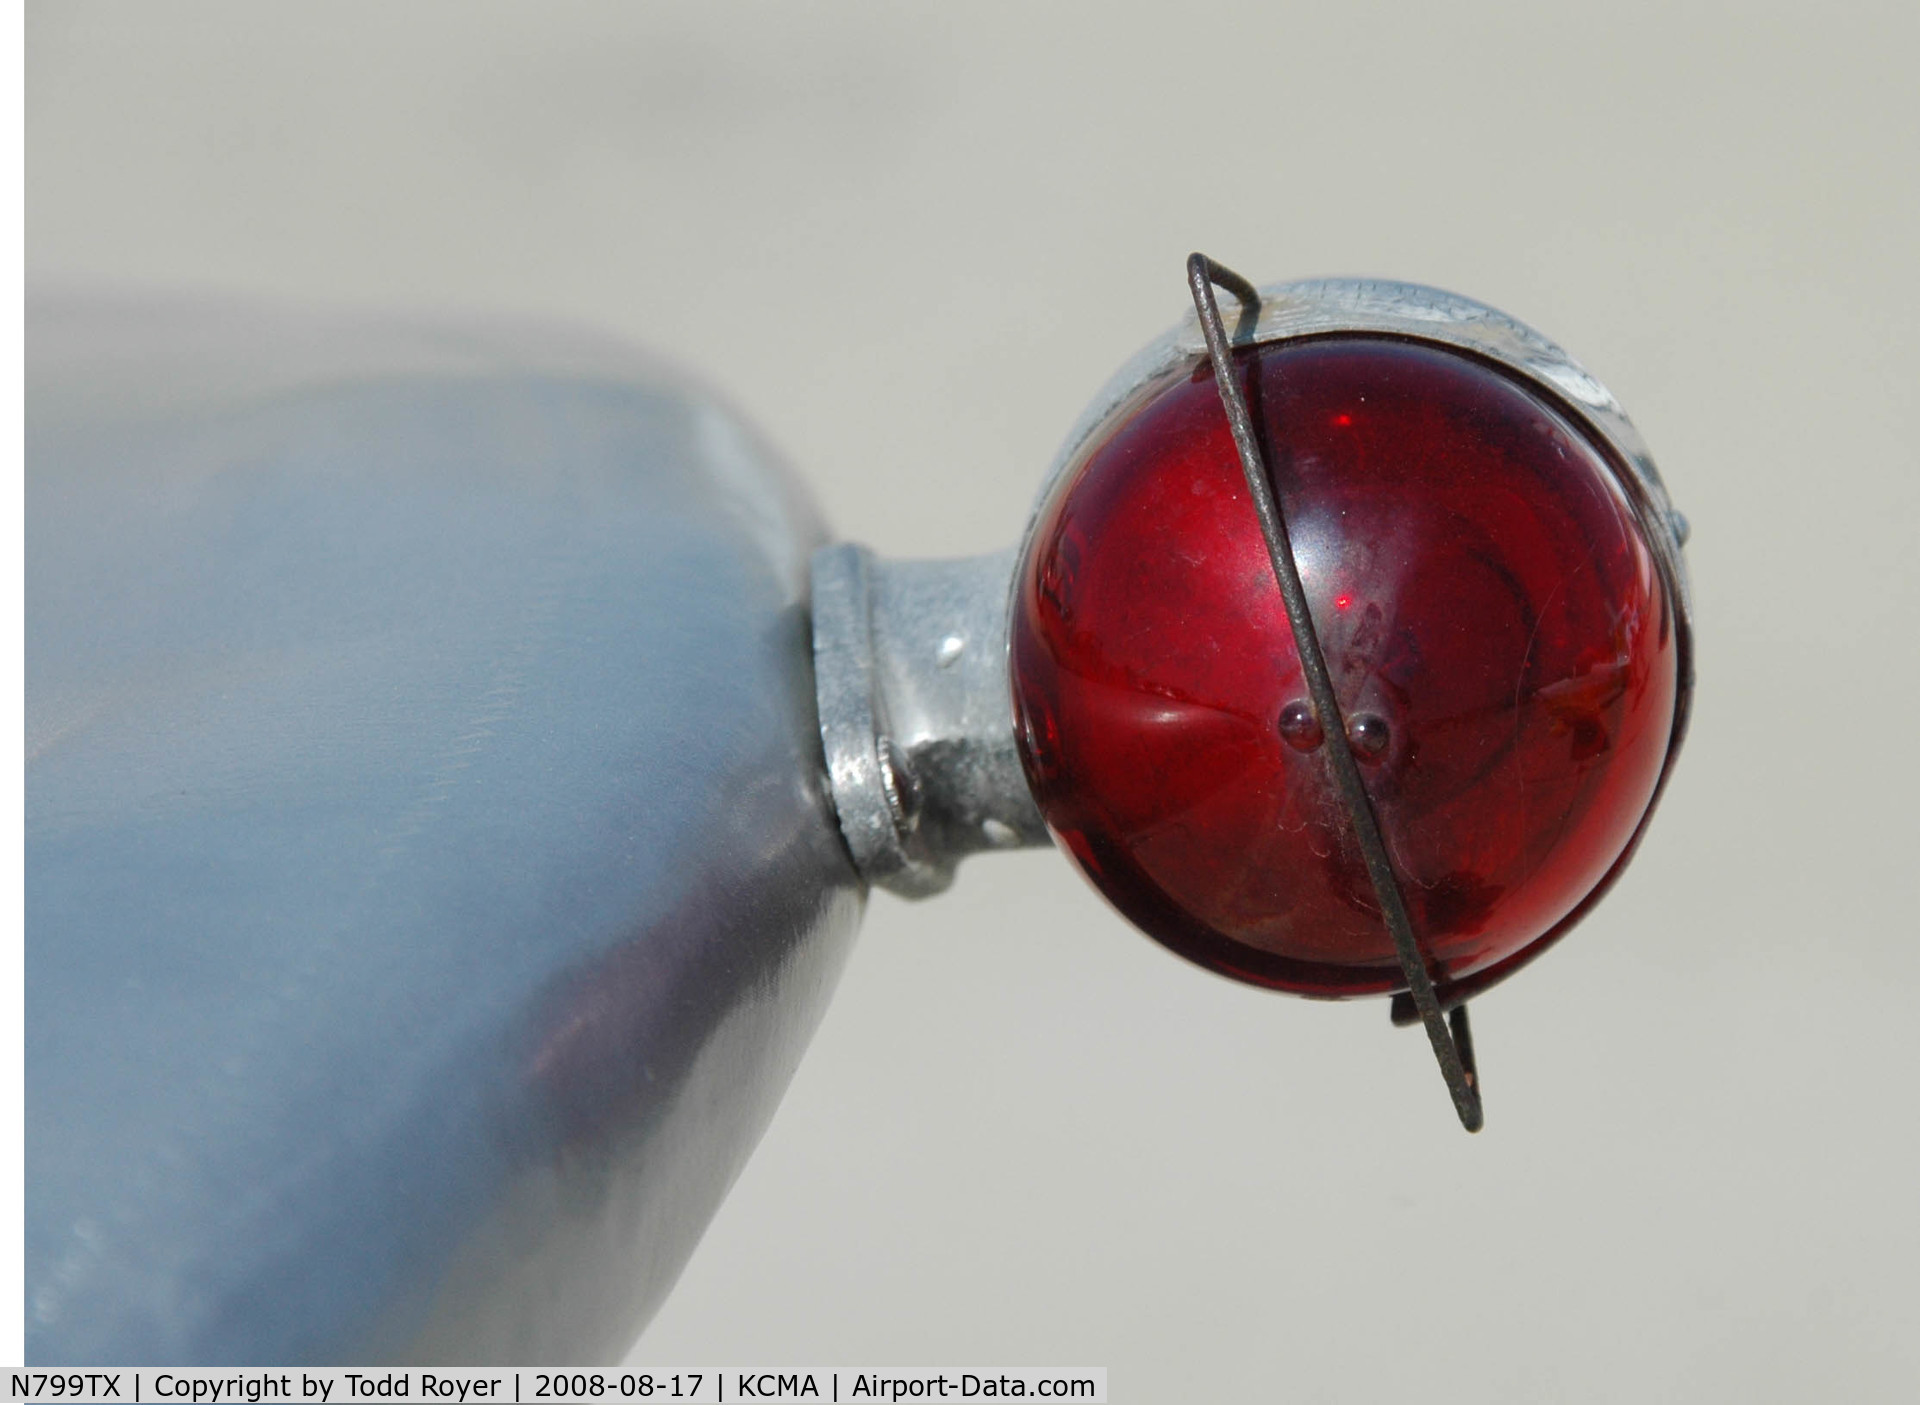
(1453, 1047)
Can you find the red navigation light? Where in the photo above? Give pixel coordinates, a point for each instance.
(1497, 630)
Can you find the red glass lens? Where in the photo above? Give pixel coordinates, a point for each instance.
(1497, 630)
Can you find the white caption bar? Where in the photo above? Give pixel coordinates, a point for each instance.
(139, 1385)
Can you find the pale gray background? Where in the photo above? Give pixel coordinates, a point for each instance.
(911, 242)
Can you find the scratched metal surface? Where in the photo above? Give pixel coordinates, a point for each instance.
(429, 885)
